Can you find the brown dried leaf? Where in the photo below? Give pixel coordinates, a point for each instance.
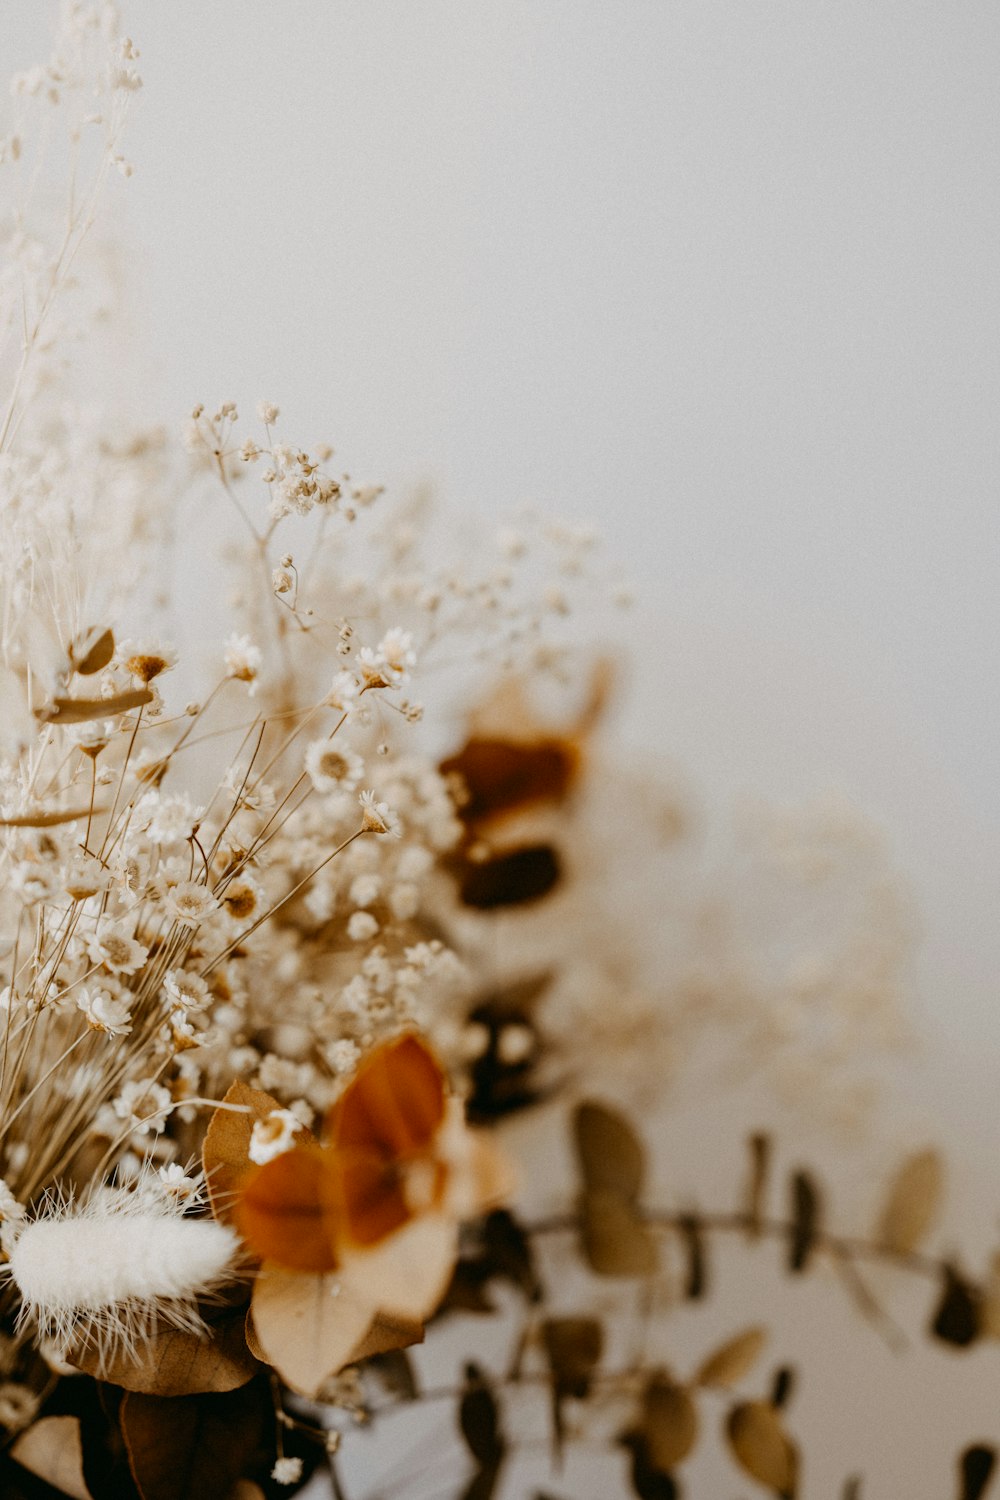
(307, 1324)
(696, 1281)
(574, 1347)
(733, 1359)
(386, 1335)
(479, 1420)
(975, 1467)
(91, 651)
(79, 710)
(669, 1422)
(52, 1449)
(805, 1221)
(615, 1240)
(957, 1318)
(913, 1202)
(225, 1155)
(761, 1446)
(50, 819)
(182, 1446)
(760, 1164)
(180, 1363)
(610, 1153)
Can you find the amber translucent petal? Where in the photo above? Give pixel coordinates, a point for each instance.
(289, 1209)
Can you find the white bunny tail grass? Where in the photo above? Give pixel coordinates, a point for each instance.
(109, 1271)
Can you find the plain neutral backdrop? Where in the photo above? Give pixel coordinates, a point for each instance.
(721, 274)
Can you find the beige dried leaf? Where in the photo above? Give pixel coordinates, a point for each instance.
(615, 1240)
(733, 1359)
(610, 1153)
(308, 1324)
(669, 1422)
(52, 1450)
(225, 1155)
(91, 651)
(761, 1446)
(79, 710)
(913, 1202)
(51, 819)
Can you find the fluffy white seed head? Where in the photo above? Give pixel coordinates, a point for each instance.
(111, 1270)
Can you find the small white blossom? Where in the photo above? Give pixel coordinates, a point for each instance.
(361, 927)
(273, 1136)
(287, 1470)
(377, 817)
(116, 950)
(243, 660)
(190, 902)
(105, 1011)
(332, 768)
(186, 990)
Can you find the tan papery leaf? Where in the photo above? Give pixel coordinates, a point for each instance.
(610, 1153)
(91, 651)
(308, 1324)
(52, 1450)
(406, 1275)
(225, 1155)
(615, 1240)
(386, 1335)
(79, 710)
(761, 1446)
(913, 1202)
(669, 1422)
(733, 1359)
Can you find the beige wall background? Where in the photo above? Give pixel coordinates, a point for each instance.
(722, 276)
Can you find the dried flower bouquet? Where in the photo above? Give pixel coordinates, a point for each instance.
(282, 948)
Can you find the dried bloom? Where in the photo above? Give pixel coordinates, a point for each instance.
(116, 950)
(377, 817)
(243, 660)
(106, 1011)
(186, 990)
(176, 1183)
(287, 1471)
(267, 412)
(331, 768)
(189, 902)
(143, 1105)
(273, 1135)
(396, 653)
(361, 927)
(148, 661)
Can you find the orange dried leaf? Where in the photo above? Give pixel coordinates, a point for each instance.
(388, 1115)
(288, 1210)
